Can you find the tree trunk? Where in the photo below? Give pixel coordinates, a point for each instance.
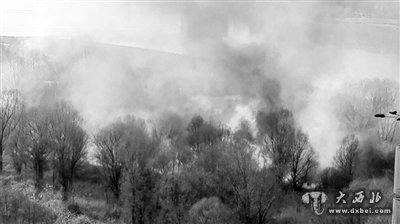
(39, 175)
(1, 158)
(65, 191)
(54, 176)
(18, 169)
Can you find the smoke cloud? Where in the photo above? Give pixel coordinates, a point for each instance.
(222, 60)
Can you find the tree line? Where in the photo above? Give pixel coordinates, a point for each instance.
(175, 170)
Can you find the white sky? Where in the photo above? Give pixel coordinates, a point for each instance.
(139, 25)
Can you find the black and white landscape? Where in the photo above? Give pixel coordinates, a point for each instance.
(197, 112)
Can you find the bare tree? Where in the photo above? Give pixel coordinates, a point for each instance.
(277, 131)
(140, 179)
(286, 149)
(255, 189)
(38, 127)
(302, 160)
(18, 143)
(170, 129)
(69, 143)
(360, 101)
(346, 156)
(9, 102)
(110, 146)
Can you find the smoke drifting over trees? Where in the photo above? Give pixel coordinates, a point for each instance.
(223, 60)
(198, 112)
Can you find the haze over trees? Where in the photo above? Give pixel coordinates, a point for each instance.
(180, 169)
(68, 143)
(175, 169)
(195, 113)
(170, 172)
(287, 147)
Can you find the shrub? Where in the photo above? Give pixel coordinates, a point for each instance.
(74, 208)
(209, 210)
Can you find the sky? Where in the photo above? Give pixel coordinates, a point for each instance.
(133, 24)
(231, 57)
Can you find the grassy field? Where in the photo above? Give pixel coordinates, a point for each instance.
(20, 203)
